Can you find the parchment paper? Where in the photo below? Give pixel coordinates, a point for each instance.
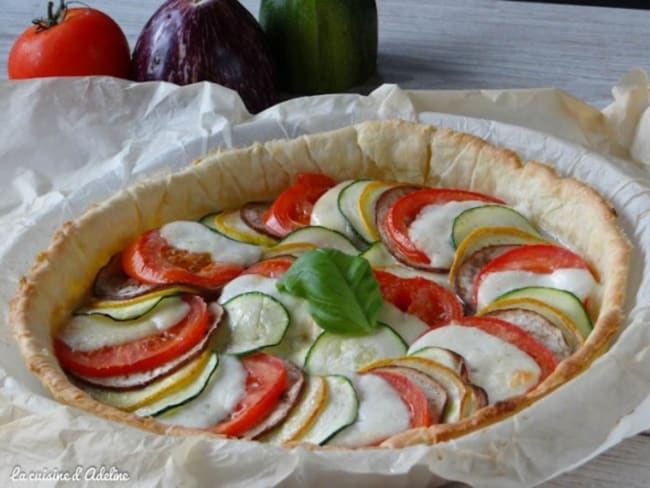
(67, 143)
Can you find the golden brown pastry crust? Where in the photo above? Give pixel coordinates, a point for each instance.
(389, 150)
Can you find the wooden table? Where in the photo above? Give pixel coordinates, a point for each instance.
(476, 44)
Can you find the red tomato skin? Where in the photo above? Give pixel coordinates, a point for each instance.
(292, 208)
(405, 210)
(516, 336)
(271, 268)
(145, 260)
(410, 394)
(535, 258)
(143, 354)
(432, 303)
(87, 42)
(265, 382)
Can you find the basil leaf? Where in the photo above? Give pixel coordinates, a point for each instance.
(343, 294)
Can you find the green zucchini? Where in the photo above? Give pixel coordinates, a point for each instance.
(253, 320)
(379, 258)
(445, 357)
(312, 237)
(321, 46)
(184, 395)
(340, 410)
(130, 310)
(132, 399)
(230, 224)
(488, 216)
(341, 354)
(354, 209)
(564, 301)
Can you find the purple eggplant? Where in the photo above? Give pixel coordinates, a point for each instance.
(187, 41)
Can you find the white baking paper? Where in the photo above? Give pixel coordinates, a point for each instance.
(66, 143)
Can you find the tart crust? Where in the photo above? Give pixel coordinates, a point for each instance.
(390, 150)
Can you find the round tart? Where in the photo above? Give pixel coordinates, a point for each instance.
(478, 285)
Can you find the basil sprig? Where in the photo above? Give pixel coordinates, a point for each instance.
(343, 294)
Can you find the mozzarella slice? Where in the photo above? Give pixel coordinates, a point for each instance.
(409, 327)
(221, 396)
(382, 413)
(302, 331)
(197, 238)
(90, 332)
(431, 230)
(501, 369)
(578, 281)
(326, 211)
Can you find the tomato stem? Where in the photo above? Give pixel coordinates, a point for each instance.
(53, 17)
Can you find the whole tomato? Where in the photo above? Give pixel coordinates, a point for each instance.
(70, 42)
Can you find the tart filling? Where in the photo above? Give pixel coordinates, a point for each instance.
(278, 302)
(350, 312)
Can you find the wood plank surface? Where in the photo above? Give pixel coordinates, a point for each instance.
(457, 44)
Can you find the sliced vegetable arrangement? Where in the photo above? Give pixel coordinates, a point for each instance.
(340, 313)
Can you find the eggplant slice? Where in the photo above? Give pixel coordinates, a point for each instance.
(252, 214)
(468, 270)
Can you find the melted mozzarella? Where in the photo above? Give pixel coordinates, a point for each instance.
(225, 389)
(327, 214)
(409, 327)
(431, 230)
(497, 366)
(382, 413)
(302, 331)
(197, 238)
(89, 332)
(578, 281)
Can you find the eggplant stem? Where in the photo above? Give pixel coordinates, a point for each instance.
(53, 17)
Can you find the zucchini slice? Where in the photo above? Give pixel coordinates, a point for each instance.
(89, 332)
(185, 394)
(380, 258)
(445, 357)
(564, 301)
(130, 400)
(357, 202)
(340, 354)
(488, 216)
(230, 224)
(131, 310)
(311, 237)
(341, 409)
(253, 320)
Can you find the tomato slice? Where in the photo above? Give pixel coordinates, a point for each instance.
(535, 258)
(516, 336)
(271, 268)
(410, 394)
(401, 215)
(143, 354)
(266, 380)
(432, 303)
(152, 260)
(292, 208)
